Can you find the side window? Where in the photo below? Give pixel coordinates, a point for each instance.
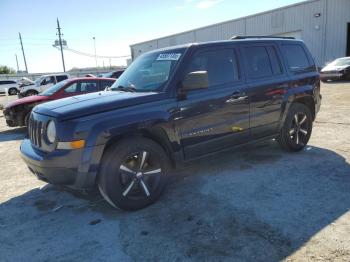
(117, 74)
(221, 66)
(296, 57)
(275, 61)
(105, 83)
(61, 78)
(88, 87)
(52, 80)
(46, 80)
(257, 62)
(73, 88)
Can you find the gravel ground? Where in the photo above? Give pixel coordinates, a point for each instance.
(258, 204)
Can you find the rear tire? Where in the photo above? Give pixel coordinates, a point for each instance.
(133, 173)
(13, 91)
(297, 128)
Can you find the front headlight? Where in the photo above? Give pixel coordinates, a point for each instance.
(51, 132)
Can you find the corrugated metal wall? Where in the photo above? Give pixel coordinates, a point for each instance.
(335, 39)
(325, 35)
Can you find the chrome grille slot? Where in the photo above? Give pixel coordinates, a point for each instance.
(35, 132)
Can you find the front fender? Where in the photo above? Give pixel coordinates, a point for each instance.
(98, 130)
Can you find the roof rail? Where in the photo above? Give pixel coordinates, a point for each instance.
(236, 37)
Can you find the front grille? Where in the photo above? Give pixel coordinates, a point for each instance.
(35, 132)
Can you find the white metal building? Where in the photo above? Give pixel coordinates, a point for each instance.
(324, 25)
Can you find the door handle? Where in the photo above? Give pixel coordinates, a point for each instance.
(237, 97)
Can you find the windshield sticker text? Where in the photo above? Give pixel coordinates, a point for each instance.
(172, 56)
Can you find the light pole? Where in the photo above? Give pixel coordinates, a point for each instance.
(95, 52)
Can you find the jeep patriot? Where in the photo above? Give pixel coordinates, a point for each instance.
(171, 106)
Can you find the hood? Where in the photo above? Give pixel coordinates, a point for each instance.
(334, 68)
(27, 100)
(78, 106)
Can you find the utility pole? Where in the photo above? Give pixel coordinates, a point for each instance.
(24, 57)
(17, 63)
(60, 43)
(95, 52)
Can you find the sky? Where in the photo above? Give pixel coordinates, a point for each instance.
(115, 24)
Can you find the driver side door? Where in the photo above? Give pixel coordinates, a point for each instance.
(218, 117)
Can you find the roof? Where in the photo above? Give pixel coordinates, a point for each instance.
(90, 78)
(222, 42)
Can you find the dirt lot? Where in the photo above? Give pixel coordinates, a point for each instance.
(258, 204)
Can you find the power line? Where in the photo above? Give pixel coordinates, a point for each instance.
(91, 55)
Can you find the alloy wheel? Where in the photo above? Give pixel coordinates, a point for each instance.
(139, 175)
(299, 129)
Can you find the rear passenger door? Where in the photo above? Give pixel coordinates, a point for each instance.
(218, 117)
(267, 83)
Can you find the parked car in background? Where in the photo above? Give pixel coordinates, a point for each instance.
(114, 74)
(11, 86)
(24, 81)
(17, 112)
(41, 84)
(172, 106)
(90, 75)
(339, 69)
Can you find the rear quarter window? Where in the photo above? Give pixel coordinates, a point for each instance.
(296, 57)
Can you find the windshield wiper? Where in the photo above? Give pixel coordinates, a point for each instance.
(126, 89)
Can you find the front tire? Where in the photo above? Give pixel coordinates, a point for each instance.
(26, 119)
(297, 128)
(133, 173)
(31, 93)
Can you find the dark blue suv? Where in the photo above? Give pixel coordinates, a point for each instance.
(171, 106)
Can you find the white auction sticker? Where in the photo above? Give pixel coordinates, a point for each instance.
(171, 56)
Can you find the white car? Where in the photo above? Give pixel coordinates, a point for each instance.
(41, 84)
(11, 85)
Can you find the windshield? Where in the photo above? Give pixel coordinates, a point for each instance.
(149, 72)
(341, 62)
(53, 89)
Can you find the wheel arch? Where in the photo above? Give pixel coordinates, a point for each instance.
(307, 101)
(156, 134)
(304, 98)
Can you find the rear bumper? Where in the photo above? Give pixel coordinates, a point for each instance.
(59, 167)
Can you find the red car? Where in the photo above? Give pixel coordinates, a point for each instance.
(17, 112)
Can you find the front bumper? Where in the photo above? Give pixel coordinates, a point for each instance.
(331, 75)
(59, 167)
(11, 119)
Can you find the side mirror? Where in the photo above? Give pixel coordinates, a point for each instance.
(195, 80)
(107, 88)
